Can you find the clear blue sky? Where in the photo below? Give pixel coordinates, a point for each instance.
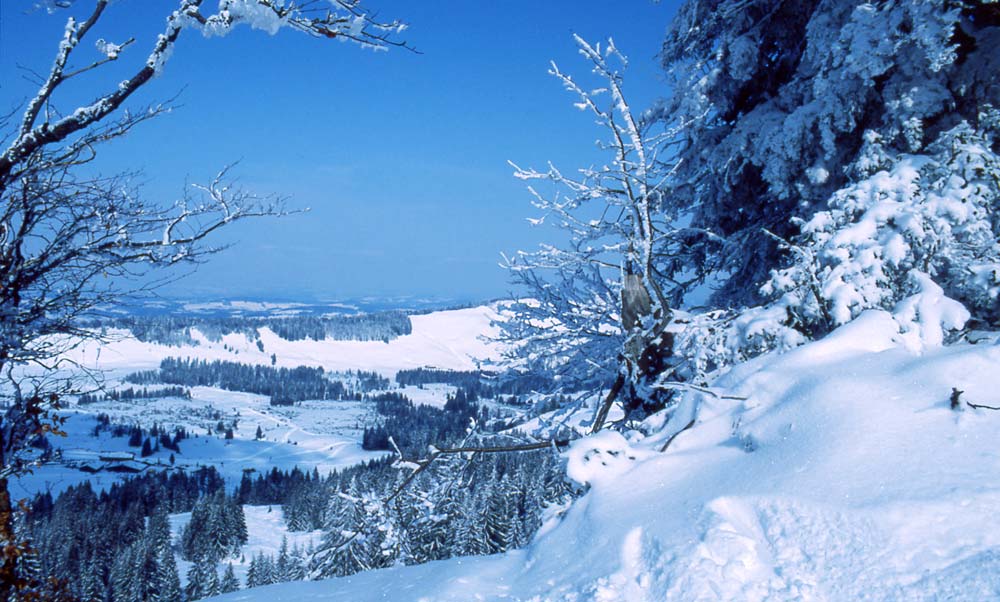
(400, 156)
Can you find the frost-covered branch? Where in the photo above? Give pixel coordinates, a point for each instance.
(596, 310)
(343, 19)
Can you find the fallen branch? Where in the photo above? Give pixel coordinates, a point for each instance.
(980, 406)
(602, 415)
(955, 400)
(674, 436)
(699, 389)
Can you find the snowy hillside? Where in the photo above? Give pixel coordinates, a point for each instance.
(290, 440)
(321, 435)
(454, 339)
(842, 474)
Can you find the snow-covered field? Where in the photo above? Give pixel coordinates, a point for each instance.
(286, 444)
(454, 340)
(313, 434)
(842, 475)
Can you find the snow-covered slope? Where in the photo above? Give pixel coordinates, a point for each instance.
(843, 475)
(452, 339)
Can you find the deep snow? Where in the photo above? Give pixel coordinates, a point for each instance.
(843, 475)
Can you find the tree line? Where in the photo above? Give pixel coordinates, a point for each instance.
(131, 393)
(285, 386)
(413, 427)
(175, 330)
(478, 383)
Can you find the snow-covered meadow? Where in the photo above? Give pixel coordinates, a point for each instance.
(455, 339)
(322, 435)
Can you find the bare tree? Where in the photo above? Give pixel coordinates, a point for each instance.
(71, 242)
(596, 310)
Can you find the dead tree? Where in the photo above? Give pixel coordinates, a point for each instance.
(596, 309)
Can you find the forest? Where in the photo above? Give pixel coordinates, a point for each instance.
(116, 544)
(175, 330)
(284, 386)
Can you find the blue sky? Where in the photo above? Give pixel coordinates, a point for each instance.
(401, 157)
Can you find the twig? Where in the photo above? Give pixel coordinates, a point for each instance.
(602, 414)
(980, 406)
(674, 436)
(700, 389)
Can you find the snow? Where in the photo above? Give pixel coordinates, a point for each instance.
(925, 316)
(835, 471)
(324, 439)
(431, 394)
(602, 456)
(109, 49)
(324, 435)
(454, 340)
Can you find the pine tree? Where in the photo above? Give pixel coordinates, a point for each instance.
(470, 534)
(266, 574)
(238, 521)
(296, 565)
(282, 565)
(253, 573)
(203, 581)
(213, 584)
(147, 448)
(497, 516)
(146, 584)
(158, 531)
(169, 579)
(229, 581)
(122, 576)
(345, 548)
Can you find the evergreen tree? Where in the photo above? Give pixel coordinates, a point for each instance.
(169, 579)
(253, 572)
(266, 574)
(229, 581)
(203, 581)
(282, 566)
(92, 589)
(296, 565)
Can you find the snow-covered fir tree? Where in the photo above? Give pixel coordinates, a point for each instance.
(229, 581)
(840, 156)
